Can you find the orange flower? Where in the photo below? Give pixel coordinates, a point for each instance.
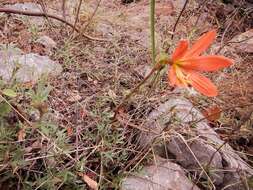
(187, 63)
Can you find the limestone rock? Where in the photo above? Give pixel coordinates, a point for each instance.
(25, 67)
(164, 176)
(245, 40)
(227, 167)
(34, 7)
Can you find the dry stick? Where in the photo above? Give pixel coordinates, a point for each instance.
(204, 118)
(217, 150)
(198, 10)
(178, 18)
(198, 162)
(63, 7)
(29, 123)
(40, 14)
(93, 14)
(177, 21)
(210, 161)
(43, 6)
(156, 68)
(232, 42)
(243, 120)
(228, 26)
(77, 14)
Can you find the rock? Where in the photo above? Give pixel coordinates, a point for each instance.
(105, 29)
(25, 67)
(203, 152)
(47, 42)
(25, 7)
(34, 7)
(244, 46)
(8, 55)
(226, 167)
(163, 176)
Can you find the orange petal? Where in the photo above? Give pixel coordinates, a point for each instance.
(201, 44)
(207, 63)
(202, 84)
(180, 50)
(173, 78)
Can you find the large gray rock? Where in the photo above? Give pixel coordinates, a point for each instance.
(244, 42)
(14, 65)
(33, 7)
(163, 176)
(199, 145)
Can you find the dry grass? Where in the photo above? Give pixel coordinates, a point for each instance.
(78, 134)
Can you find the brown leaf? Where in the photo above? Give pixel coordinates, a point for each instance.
(83, 113)
(69, 131)
(90, 182)
(212, 113)
(21, 134)
(74, 96)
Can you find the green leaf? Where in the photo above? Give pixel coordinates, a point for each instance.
(4, 109)
(9, 92)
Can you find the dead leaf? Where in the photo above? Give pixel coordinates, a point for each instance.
(21, 134)
(83, 112)
(69, 131)
(112, 94)
(90, 182)
(74, 96)
(212, 113)
(29, 84)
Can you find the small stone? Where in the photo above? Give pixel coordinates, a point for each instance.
(47, 42)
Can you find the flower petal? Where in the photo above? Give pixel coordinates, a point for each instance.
(172, 77)
(202, 84)
(206, 63)
(201, 44)
(180, 50)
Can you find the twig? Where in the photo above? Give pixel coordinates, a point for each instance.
(178, 18)
(210, 161)
(245, 118)
(198, 162)
(204, 118)
(63, 7)
(40, 14)
(228, 26)
(156, 68)
(77, 14)
(232, 42)
(202, 4)
(93, 14)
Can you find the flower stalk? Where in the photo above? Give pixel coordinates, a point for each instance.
(152, 29)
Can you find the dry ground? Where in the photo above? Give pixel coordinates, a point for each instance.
(79, 136)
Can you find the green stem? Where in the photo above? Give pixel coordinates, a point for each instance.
(152, 29)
